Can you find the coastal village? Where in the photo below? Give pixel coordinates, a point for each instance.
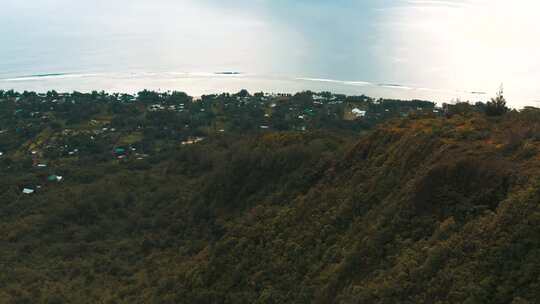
(47, 133)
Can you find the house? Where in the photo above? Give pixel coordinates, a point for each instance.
(28, 191)
(156, 107)
(358, 113)
(55, 178)
(309, 111)
(318, 97)
(191, 141)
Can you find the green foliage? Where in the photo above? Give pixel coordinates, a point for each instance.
(497, 105)
(423, 209)
(459, 108)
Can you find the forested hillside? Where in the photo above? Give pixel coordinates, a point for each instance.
(421, 209)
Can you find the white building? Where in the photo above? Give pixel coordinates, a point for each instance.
(28, 191)
(358, 113)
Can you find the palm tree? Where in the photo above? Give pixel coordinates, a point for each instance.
(497, 105)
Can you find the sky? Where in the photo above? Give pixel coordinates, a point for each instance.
(466, 44)
(450, 46)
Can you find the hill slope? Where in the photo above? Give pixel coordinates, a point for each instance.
(428, 210)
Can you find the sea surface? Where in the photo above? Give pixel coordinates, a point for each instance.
(423, 49)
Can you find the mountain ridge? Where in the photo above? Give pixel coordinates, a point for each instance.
(418, 210)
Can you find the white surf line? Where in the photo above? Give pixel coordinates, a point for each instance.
(47, 77)
(356, 83)
(391, 86)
